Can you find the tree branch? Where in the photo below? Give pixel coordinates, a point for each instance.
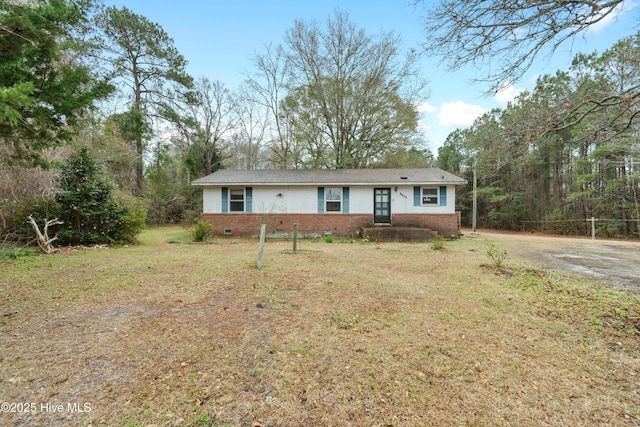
(45, 243)
(507, 34)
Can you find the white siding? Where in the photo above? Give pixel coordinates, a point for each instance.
(299, 199)
(211, 200)
(402, 201)
(361, 200)
(289, 199)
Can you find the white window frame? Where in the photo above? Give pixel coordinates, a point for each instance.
(434, 197)
(232, 201)
(334, 196)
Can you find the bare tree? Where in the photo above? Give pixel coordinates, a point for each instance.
(268, 82)
(247, 143)
(508, 35)
(206, 122)
(22, 186)
(352, 92)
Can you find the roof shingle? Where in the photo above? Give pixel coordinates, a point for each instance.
(329, 177)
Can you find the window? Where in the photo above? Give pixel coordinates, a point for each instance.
(429, 197)
(333, 199)
(236, 200)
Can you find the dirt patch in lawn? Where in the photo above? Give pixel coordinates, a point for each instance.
(612, 262)
(341, 334)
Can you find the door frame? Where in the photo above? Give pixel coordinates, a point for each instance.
(379, 219)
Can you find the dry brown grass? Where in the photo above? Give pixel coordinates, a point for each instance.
(338, 334)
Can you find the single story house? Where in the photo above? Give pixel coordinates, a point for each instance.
(322, 201)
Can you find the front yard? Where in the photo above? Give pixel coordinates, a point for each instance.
(338, 334)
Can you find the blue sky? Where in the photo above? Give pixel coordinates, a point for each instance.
(218, 39)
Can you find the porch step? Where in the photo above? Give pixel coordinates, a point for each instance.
(397, 234)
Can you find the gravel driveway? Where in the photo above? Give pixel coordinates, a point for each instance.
(614, 262)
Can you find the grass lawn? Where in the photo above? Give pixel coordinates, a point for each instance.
(339, 334)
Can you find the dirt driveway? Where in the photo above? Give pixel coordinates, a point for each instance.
(616, 263)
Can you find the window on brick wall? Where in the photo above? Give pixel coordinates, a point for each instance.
(236, 200)
(333, 199)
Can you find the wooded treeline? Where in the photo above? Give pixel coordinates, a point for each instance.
(84, 83)
(565, 152)
(101, 124)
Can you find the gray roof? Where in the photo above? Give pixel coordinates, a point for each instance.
(329, 177)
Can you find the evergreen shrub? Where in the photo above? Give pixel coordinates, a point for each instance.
(201, 231)
(90, 212)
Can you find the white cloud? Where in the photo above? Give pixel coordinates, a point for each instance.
(597, 27)
(425, 107)
(459, 114)
(507, 93)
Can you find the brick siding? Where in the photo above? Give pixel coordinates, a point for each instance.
(243, 224)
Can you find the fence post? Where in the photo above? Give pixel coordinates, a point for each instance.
(593, 228)
(295, 237)
(263, 231)
(475, 199)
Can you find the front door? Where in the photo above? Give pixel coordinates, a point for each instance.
(382, 206)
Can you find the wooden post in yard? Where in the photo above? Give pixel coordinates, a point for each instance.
(263, 232)
(475, 199)
(295, 237)
(593, 228)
